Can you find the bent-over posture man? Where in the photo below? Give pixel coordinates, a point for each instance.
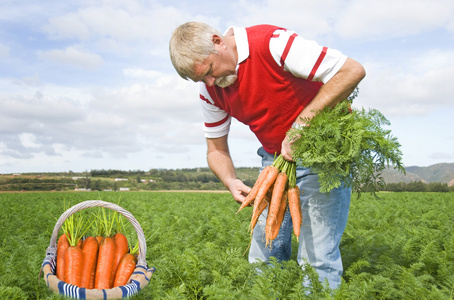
(268, 78)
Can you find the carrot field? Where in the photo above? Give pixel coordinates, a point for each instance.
(400, 246)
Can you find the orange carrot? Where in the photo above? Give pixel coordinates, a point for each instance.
(104, 265)
(267, 183)
(253, 193)
(90, 253)
(125, 269)
(276, 198)
(91, 285)
(73, 265)
(62, 245)
(280, 216)
(294, 203)
(258, 211)
(99, 239)
(121, 248)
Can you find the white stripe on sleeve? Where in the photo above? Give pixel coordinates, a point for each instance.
(216, 121)
(303, 55)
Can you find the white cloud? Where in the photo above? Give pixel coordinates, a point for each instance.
(32, 110)
(164, 97)
(125, 23)
(74, 56)
(373, 19)
(30, 11)
(309, 18)
(418, 85)
(138, 73)
(27, 81)
(355, 19)
(162, 113)
(128, 30)
(28, 140)
(438, 61)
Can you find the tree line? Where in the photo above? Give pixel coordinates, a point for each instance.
(417, 186)
(157, 179)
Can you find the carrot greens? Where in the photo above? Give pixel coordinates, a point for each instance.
(347, 145)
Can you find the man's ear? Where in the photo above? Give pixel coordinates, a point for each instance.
(217, 40)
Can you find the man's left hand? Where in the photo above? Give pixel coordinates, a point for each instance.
(286, 149)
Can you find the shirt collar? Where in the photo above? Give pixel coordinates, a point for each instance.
(242, 45)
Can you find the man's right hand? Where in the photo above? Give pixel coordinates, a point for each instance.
(221, 164)
(238, 190)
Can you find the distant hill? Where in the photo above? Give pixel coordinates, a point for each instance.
(443, 173)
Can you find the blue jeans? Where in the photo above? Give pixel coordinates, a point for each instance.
(324, 219)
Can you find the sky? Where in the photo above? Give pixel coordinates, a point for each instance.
(88, 85)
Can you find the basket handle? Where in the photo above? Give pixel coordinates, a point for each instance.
(141, 260)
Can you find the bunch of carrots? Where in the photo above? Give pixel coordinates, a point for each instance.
(276, 189)
(100, 261)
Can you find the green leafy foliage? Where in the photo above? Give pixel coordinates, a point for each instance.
(347, 145)
(397, 247)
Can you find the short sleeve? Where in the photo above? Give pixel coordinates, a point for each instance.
(216, 122)
(305, 58)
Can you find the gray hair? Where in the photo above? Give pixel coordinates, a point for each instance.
(191, 43)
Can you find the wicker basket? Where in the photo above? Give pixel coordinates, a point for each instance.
(138, 280)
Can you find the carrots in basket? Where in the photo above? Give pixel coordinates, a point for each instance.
(74, 259)
(88, 263)
(105, 263)
(126, 268)
(121, 248)
(62, 245)
(90, 253)
(73, 256)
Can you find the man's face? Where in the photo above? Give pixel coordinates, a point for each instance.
(217, 69)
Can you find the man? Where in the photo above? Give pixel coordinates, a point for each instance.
(270, 78)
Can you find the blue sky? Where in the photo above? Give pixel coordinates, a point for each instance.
(89, 84)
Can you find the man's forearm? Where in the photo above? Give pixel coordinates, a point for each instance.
(222, 166)
(219, 160)
(337, 89)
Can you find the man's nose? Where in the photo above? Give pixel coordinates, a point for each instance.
(209, 80)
